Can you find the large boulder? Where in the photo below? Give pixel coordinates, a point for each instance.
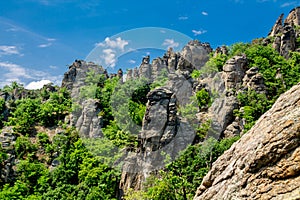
(265, 162)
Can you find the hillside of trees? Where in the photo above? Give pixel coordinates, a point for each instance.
(58, 165)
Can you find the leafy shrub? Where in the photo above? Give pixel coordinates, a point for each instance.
(25, 115)
(55, 108)
(180, 179)
(203, 98)
(24, 147)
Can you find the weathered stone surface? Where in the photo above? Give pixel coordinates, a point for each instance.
(75, 77)
(253, 80)
(158, 66)
(7, 141)
(85, 119)
(163, 134)
(182, 87)
(88, 123)
(145, 69)
(294, 17)
(265, 162)
(172, 60)
(285, 34)
(221, 50)
(234, 71)
(277, 28)
(194, 56)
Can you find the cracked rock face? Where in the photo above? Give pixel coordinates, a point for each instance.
(88, 123)
(265, 162)
(7, 141)
(234, 71)
(285, 33)
(163, 133)
(86, 120)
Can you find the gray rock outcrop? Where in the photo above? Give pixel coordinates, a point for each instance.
(164, 134)
(234, 71)
(7, 142)
(85, 118)
(88, 123)
(193, 56)
(253, 80)
(265, 162)
(285, 34)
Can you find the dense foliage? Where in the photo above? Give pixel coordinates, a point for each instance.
(180, 179)
(63, 166)
(279, 75)
(79, 174)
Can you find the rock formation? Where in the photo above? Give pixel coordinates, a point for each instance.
(285, 34)
(88, 123)
(193, 56)
(85, 119)
(234, 71)
(7, 141)
(265, 162)
(164, 134)
(253, 80)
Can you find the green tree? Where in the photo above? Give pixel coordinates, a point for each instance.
(24, 117)
(203, 98)
(55, 108)
(180, 179)
(24, 147)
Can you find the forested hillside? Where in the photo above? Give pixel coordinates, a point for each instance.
(49, 152)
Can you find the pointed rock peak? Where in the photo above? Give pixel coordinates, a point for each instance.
(294, 17)
(277, 28)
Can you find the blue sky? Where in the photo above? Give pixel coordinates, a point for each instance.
(40, 38)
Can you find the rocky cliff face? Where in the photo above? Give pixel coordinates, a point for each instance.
(85, 119)
(285, 34)
(193, 56)
(7, 141)
(162, 124)
(164, 133)
(265, 162)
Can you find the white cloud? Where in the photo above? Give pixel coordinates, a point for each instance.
(132, 61)
(45, 45)
(51, 39)
(199, 32)
(48, 43)
(109, 57)
(287, 4)
(37, 84)
(262, 1)
(9, 50)
(13, 72)
(170, 43)
(53, 67)
(162, 31)
(204, 13)
(183, 18)
(238, 1)
(118, 43)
